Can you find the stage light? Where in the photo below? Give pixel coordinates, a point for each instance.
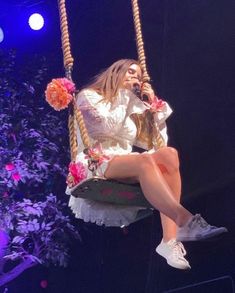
(36, 21)
(1, 35)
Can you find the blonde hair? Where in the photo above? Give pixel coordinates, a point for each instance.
(110, 80)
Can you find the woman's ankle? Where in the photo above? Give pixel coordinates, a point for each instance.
(183, 219)
(166, 239)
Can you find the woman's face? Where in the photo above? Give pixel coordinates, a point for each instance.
(132, 77)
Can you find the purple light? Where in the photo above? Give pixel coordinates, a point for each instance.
(36, 21)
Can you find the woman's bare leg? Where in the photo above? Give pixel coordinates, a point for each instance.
(153, 184)
(168, 162)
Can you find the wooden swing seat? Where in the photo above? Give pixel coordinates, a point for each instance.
(111, 191)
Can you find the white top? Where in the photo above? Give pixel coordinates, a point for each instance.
(112, 126)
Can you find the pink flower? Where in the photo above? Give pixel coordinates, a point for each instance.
(68, 84)
(157, 104)
(10, 167)
(44, 284)
(16, 176)
(127, 194)
(106, 191)
(77, 173)
(96, 153)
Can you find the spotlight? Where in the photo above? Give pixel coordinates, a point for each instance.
(36, 21)
(1, 35)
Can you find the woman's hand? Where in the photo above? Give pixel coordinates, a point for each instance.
(147, 91)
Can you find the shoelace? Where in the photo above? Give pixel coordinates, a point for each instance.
(197, 219)
(178, 249)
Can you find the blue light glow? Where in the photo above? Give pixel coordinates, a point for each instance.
(1, 35)
(36, 21)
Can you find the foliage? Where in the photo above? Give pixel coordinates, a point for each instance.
(33, 139)
(39, 230)
(34, 155)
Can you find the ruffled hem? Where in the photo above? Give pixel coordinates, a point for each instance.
(103, 213)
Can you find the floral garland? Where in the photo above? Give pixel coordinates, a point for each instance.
(95, 157)
(78, 171)
(59, 93)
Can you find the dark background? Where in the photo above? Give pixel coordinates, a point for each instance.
(190, 56)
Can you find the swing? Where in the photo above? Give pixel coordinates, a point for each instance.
(97, 188)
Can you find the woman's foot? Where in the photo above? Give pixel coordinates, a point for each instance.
(174, 252)
(198, 229)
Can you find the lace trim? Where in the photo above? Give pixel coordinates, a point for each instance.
(103, 214)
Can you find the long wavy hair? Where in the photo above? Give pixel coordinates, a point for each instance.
(108, 82)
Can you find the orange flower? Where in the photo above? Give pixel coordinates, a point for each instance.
(57, 94)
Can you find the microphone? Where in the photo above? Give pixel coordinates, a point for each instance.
(137, 91)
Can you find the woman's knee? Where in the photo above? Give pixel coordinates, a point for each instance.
(169, 157)
(173, 153)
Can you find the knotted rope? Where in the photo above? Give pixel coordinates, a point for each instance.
(75, 115)
(157, 140)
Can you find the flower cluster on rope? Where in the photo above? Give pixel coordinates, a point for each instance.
(59, 93)
(95, 157)
(78, 171)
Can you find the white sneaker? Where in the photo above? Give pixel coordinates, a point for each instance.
(198, 229)
(174, 252)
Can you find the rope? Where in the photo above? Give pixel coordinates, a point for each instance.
(75, 115)
(68, 59)
(82, 126)
(139, 40)
(158, 140)
(72, 137)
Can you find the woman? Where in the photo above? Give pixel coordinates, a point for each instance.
(116, 118)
